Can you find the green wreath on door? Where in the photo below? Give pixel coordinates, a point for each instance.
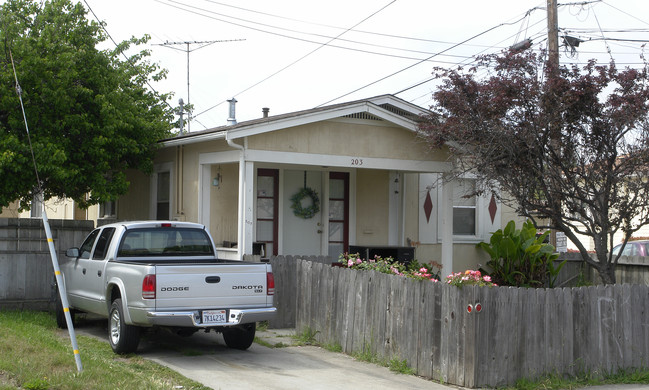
(309, 211)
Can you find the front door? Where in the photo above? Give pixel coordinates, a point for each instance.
(303, 228)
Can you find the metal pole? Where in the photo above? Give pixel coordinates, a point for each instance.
(48, 233)
(61, 289)
(189, 122)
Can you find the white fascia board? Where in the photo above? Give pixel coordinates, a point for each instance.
(327, 160)
(320, 116)
(195, 139)
(392, 117)
(402, 104)
(219, 157)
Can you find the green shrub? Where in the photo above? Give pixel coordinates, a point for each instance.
(521, 258)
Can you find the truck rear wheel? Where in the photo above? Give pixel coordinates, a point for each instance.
(123, 338)
(240, 337)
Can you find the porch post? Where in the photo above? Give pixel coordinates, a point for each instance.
(447, 226)
(248, 202)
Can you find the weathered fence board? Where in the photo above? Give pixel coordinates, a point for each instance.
(520, 333)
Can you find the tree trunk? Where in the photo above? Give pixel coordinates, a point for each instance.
(605, 269)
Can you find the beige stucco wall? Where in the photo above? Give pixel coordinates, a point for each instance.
(135, 204)
(56, 209)
(224, 201)
(465, 255)
(367, 139)
(372, 207)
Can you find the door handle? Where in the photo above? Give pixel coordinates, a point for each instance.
(319, 231)
(83, 271)
(213, 279)
(99, 273)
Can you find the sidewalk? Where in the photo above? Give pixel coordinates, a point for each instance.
(284, 337)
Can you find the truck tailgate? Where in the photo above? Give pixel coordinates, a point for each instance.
(211, 286)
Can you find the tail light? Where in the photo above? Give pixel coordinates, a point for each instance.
(270, 283)
(148, 287)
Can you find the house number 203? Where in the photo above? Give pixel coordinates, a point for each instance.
(357, 161)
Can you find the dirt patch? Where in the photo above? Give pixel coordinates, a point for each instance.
(7, 380)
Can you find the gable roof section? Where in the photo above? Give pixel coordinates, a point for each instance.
(385, 108)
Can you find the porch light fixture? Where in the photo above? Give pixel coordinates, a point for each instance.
(216, 182)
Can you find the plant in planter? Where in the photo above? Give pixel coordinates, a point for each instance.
(521, 257)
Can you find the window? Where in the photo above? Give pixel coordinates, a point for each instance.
(107, 210)
(162, 197)
(36, 209)
(86, 247)
(267, 209)
(102, 244)
(165, 242)
(338, 213)
(464, 208)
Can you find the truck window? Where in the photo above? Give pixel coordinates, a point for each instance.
(165, 242)
(102, 244)
(86, 247)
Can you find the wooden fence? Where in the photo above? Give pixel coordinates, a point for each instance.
(26, 272)
(519, 333)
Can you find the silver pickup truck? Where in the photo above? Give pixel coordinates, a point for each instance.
(148, 274)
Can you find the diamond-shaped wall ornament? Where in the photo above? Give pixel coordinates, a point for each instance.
(493, 207)
(428, 206)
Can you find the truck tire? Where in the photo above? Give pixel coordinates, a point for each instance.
(60, 314)
(240, 337)
(123, 338)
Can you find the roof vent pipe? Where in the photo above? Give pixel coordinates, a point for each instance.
(232, 119)
(265, 111)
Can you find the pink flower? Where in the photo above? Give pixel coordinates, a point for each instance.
(350, 262)
(358, 261)
(487, 278)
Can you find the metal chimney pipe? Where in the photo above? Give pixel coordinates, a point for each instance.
(232, 119)
(265, 111)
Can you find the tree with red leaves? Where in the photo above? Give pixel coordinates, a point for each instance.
(566, 147)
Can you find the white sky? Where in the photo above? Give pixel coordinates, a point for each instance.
(276, 34)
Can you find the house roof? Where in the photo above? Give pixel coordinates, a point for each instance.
(384, 107)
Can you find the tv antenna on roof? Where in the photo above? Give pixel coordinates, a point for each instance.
(187, 49)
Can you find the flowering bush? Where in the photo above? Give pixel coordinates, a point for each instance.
(389, 266)
(469, 278)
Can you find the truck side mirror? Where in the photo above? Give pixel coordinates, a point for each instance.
(72, 252)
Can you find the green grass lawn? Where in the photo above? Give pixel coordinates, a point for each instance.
(35, 354)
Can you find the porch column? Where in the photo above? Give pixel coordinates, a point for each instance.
(447, 226)
(248, 203)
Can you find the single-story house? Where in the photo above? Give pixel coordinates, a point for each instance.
(323, 181)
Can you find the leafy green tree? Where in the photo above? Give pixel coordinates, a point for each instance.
(90, 112)
(566, 147)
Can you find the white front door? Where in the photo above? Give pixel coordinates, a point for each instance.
(302, 236)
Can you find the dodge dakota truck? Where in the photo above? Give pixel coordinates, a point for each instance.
(164, 274)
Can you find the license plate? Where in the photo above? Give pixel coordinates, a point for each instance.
(214, 316)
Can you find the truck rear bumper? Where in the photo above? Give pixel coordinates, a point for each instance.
(193, 319)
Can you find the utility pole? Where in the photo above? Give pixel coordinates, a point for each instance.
(553, 66)
(187, 49)
(553, 35)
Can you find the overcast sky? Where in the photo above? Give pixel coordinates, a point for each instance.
(296, 55)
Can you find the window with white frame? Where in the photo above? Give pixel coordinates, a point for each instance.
(464, 208)
(162, 197)
(107, 210)
(36, 208)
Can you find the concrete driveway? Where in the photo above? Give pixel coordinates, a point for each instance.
(205, 359)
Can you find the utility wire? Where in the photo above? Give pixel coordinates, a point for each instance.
(204, 13)
(330, 26)
(304, 56)
(128, 60)
(421, 61)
